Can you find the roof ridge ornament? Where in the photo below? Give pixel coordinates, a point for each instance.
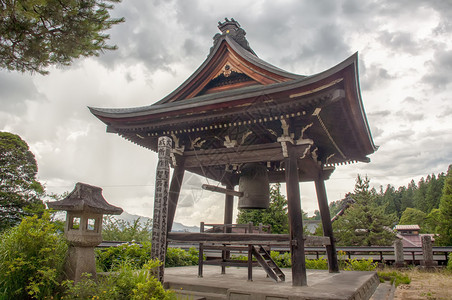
(233, 29)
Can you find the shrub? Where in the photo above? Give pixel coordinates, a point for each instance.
(317, 264)
(112, 258)
(32, 256)
(360, 265)
(281, 260)
(125, 283)
(176, 257)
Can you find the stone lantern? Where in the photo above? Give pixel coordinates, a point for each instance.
(85, 207)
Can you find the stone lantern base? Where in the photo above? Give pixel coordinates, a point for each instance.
(80, 260)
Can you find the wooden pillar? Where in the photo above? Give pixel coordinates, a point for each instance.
(333, 265)
(174, 191)
(228, 208)
(159, 225)
(228, 212)
(295, 220)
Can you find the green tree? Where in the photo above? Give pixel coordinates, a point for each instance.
(275, 215)
(432, 221)
(38, 33)
(419, 197)
(20, 192)
(120, 230)
(390, 199)
(413, 216)
(434, 191)
(406, 199)
(364, 223)
(445, 212)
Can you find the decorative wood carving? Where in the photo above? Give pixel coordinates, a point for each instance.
(159, 226)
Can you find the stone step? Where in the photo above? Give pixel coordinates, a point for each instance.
(384, 291)
(196, 288)
(190, 295)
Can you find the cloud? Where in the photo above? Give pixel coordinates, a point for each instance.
(399, 41)
(373, 76)
(445, 112)
(410, 117)
(15, 90)
(440, 70)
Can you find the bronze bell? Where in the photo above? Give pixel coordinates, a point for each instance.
(255, 187)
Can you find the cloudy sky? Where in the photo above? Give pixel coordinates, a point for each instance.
(405, 65)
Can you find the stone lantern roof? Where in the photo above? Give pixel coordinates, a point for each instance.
(86, 198)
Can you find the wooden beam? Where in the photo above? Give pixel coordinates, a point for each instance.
(228, 208)
(241, 154)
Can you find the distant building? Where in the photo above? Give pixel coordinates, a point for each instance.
(410, 236)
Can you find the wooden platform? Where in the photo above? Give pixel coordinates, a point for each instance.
(233, 285)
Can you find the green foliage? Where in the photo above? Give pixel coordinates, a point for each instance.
(364, 223)
(423, 196)
(275, 215)
(20, 192)
(445, 212)
(176, 257)
(360, 265)
(317, 264)
(413, 216)
(395, 277)
(39, 33)
(284, 261)
(432, 221)
(120, 230)
(32, 255)
(125, 283)
(113, 258)
(281, 260)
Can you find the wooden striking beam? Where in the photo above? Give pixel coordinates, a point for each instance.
(236, 155)
(218, 189)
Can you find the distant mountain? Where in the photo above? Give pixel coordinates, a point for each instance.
(177, 227)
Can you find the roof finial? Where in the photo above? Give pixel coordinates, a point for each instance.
(228, 25)
(232, 29)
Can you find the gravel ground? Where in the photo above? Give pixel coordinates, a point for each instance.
(426, 285)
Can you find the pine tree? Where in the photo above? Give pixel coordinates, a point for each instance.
(419, 197)
(365, 223)
(434, 192)
(445, 212)
(36, 34)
